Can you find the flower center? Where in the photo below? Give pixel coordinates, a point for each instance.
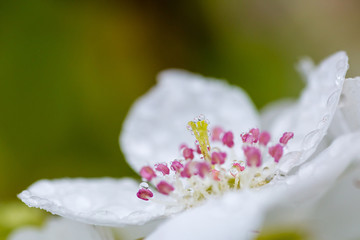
(203, 171)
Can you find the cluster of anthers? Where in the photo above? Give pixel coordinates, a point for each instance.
(203, 171)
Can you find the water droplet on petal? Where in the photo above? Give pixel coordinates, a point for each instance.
(324, 121)
(201, 117)
(332, 100)
(144, 185)
(311, 139)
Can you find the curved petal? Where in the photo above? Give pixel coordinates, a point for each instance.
(342, 222)
(234, 216)
(347, 116)
(307, 196)
(156, 124)
(105, 202)
(310, 118)
(60, 229)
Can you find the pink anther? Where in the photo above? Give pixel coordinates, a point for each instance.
(215, 174)
(198, 150)
(264, 138)
(218, 158)
(253, 156)
(147, 172)
(188, 153)
(215, 134)
(228, 139)
(164, 187)
(255, 134)
(286, 137)
(276, 152)
(144, 194)
(176, 166)
(163, 168)
(188, 170)
(202, 169)
(239, 167)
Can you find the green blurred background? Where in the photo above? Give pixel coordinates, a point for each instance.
(70, 70)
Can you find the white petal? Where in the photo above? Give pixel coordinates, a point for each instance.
(60, 229)
(271, 112)
(347, 117)
(156, 124)
(337, 215)
(235, 216)
(310, 118)
(106, 202)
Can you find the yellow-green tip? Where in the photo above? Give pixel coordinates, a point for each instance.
(200, 130)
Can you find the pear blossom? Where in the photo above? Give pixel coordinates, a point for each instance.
(249, 164)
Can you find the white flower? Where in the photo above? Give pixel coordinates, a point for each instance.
(153, 131)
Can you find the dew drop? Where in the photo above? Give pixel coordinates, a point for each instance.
(339, 78)
(279, 174)
(311, 139)
(144, 185)
(324, 120)
(234, 170)
(332, 100)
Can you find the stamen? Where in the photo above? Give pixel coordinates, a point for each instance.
(198, 150)
(200, 131)
(144, 194)
(228, 139)
(251, 137)
(253, 156)
(247, 138)
(286, 137)
(164, 188)
(276, 152)
(203, 169)
(176, 166)
(188, 153)
(255, 133)
(215, 174)
(218, 158)
(147, 172)
(161, 167)
(188, 170)
(264, 138)
(236, 168)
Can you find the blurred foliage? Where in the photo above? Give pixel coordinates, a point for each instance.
(282, 235)
(15, 214)
(69, 70)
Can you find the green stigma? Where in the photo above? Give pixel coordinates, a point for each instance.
(200, 130)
